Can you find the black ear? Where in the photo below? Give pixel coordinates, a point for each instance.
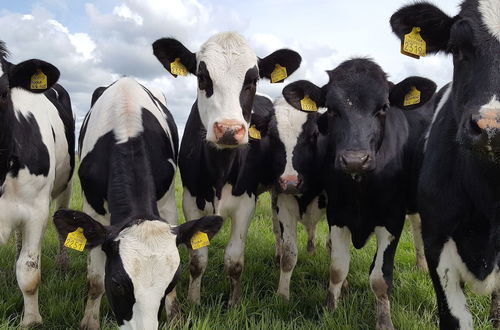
(24, 75)
(434, 24)
(97, 94)
(297, 90)
(167, 50)
(286, 58)
(68, 221)
(209, 225)
(398, 92)
(262, 112)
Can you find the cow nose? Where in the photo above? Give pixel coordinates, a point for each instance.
(229, 132)
(484, 131)
(290, 184)
(356, 161)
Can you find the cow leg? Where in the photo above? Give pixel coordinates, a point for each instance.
(276, 228)
(172, 306)
(340, 257)
(416, 226)
(311, 236)
(287, 217)
(96, 262)
(63, 201)
(381, 275)
(495, 309)
(234, 254)
(28, 265)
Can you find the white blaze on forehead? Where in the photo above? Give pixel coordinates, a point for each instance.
(228, 57)
(150, 257)
(490, 12)
(289, 121)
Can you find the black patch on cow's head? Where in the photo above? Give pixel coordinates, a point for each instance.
(248, 90)
(167, 50)
(285, 57)
(205, 83)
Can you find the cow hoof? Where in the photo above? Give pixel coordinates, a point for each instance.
(331, 302)
(89, 324)
(31, 320)
(284, 296)
(310, 247)
(422, 264)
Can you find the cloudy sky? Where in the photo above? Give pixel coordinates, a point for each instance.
(95, 42)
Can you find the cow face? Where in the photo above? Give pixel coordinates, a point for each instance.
(297, 142)
(142, 260)
(473, 39)
(227, 70)
(358, 98)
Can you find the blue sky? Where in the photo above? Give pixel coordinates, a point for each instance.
(95, 42)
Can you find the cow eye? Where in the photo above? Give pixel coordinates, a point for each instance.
(382, 111)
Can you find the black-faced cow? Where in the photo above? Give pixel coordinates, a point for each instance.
(369, 176)
(458, 188)
(210, 164)
(128, 149)
(37, 146)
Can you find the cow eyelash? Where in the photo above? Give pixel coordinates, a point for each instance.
(381, 111)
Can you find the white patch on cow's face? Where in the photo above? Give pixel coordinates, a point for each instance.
(150, 257)
(289, 121)
(442, 102)
(228, 57)
(490, 12)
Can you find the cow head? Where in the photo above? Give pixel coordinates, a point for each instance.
(142, 260)
(358, 98)
(227, 70)
(473, 39)
(296, 145)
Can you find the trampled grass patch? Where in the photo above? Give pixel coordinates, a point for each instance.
(62, 295)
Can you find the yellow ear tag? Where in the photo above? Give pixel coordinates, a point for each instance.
(413, 44)
(306, 104)
(254, 133)
(177, 68)
(38, 80)
(413, 97)
(76, 240)
(199, 240)
(279, 74)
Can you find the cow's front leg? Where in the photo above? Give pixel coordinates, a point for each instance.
(495, 309)
(381, 275)
(276, 228)
(340, 257)
(28, 266)
(234, 254)
(416, 225)
(287, 217)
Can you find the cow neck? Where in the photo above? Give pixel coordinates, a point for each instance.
(7, 127)
(131, 189)
(220, 165)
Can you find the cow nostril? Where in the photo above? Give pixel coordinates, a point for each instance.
(344, 159)
(474, 127)
(364, 159)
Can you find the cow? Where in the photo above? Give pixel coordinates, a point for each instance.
(458, 194)
(214, 147)
(128, 149)
(37, 146)
(368, 171)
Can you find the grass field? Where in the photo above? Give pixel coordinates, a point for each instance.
(62, 295)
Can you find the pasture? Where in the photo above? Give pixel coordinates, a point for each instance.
(62, 295)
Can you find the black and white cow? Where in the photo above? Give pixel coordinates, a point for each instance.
(37, 146)
(368, 171)
(128, 149)
(210, 161)
(459, 194)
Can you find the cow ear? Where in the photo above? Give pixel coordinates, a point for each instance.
(434, 24)
(298, 90)
(262, 112)
(97, 94)
(412, 93)
(33, 75)
(68, 221)
(168, 50)
(286, 58)
(209, 225)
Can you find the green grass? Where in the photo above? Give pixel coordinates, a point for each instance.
(62, 295)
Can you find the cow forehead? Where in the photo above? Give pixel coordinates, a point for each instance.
(227, 53)
(490, 14)
(146, 250)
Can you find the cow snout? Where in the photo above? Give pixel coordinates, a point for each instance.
(289, 184)
(357, 161)
(484, 131)
(229, 132)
